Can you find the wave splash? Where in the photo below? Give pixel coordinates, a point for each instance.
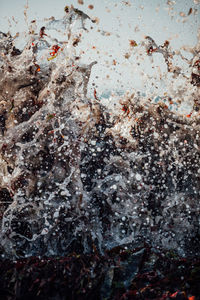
(85, 174)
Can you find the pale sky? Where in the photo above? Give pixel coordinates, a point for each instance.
(123, 21)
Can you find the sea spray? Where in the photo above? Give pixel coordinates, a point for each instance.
(80, 173)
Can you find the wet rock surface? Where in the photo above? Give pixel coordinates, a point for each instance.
(141, 273)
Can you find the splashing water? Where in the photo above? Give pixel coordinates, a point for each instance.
(79, 172)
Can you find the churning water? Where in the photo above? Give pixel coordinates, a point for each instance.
(78, 172)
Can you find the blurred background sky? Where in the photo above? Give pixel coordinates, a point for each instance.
(119, 21)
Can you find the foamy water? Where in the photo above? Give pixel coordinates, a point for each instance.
(82, 172)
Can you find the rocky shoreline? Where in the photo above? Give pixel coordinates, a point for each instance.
(140, 273)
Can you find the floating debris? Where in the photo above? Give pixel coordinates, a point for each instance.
(190, 11)
(91, 6)
(127, 55)
(133, 43)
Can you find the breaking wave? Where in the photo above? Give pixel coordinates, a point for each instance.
(88, 173)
